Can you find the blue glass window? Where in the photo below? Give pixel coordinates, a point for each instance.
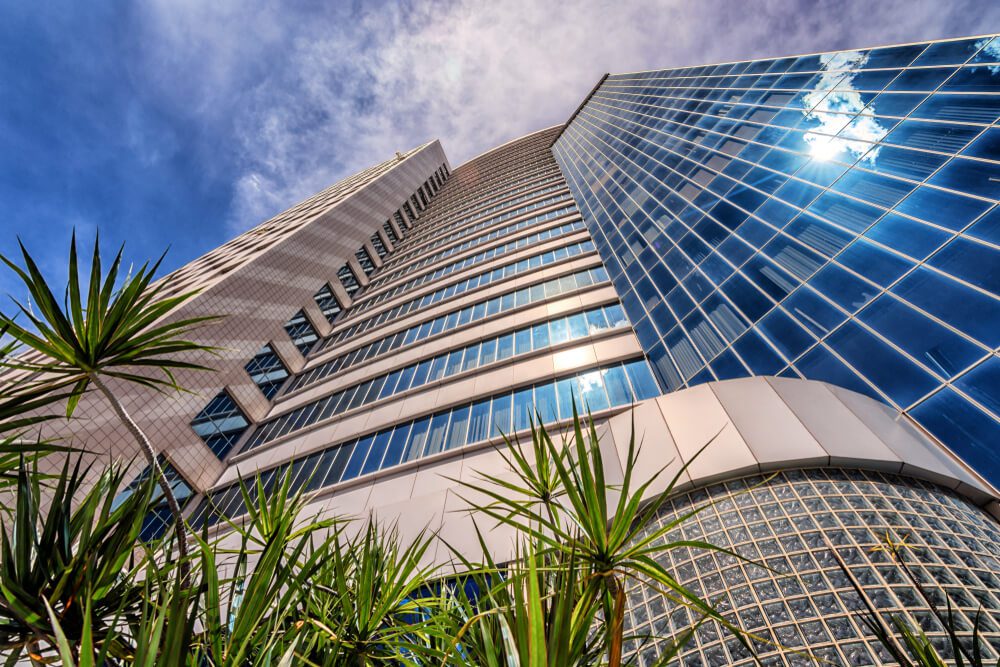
(417, 439)
(376, 452)
(902, 380)
(435, 436)
(397, 446)
(220, 424)
(459, 427)
(970, 432)
(523, 408)
(267, 371)
(501, 419)
(358, 456)
(479, 422)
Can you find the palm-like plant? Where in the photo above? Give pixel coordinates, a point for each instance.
(369, 603)
(111, 331)
(561, 502)
(21, 402)
(910, 646)
(69, 565)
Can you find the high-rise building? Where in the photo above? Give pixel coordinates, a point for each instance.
(829, 216)
(794, 260)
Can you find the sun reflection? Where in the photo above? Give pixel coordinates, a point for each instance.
(834, 103)
(823, 148)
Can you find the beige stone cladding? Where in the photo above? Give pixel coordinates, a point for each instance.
(257, 282)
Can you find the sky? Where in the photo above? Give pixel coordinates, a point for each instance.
(181, 123)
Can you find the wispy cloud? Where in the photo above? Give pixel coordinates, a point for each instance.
(306, 97)
(223, 113)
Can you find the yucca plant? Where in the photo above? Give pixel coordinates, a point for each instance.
(909, 646)
(370, 601)
(560, 502)
(70, 564)
(245, 603)
(254, 611)
(21, 406)
(110, 331)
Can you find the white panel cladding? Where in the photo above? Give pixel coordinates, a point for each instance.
(762, 424)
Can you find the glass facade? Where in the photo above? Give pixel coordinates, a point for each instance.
(453, 290)
(828, 216)
(267, 371)
(471, 423)
(220, 424)
(794, 522)
(480, 354)
(158, 519)
(302, 333)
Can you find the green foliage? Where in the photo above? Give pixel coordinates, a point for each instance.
(277, 588)
(106, 329)
(70, 557)
(910, 646)
(561, 503)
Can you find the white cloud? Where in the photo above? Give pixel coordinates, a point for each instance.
(304, 98)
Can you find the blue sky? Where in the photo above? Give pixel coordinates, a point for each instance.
(181, 123)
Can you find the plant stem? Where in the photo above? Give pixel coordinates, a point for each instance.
(35, 652)
(617, 622)
(161, 478)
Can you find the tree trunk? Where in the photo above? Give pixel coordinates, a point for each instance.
(147, 449)
(617, 622)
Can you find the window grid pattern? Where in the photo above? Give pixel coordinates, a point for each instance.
(475, 282)
(267, 371)
(444, 225)
(830, 217)
(159, 517)
(379, 246)
(499, 172)
(477, 355)
(497, 348)
(461, 317)
(348, 280)
(327, 303)
(441, 237)
(483, 256)
(410, 215)
(383, 278)
(496, 182)
(220, 424)
(401, 220)
(791, 522)
(507, 192)
(301, 332)
(257, 240)
(365, 260)
(612, 386)
(390, 232)
(500, 185)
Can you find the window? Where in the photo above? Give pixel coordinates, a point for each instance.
(327, 303)
(467, 424)
(301, 332)
(159, 518)
(267, 371)
(348, 280)
(220, 424)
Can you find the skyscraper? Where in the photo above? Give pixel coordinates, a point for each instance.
(793, 260)
(828, 216)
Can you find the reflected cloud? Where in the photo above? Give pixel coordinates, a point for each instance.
(991, 48)
(835, 134)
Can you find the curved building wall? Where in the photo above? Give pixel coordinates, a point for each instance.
(804, 524)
